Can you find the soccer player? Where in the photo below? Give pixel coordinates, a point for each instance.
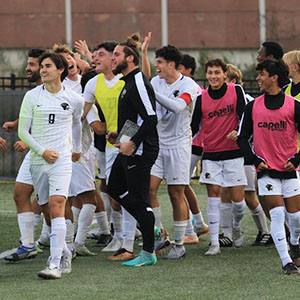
(28, 213)
(292, 59)
(175, 94)
(219, 108)
(269, 50)
(54, 115)
(273, 119)
(136, 156)
(105, 88)
(234, 75)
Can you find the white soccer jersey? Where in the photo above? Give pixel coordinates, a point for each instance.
(174, 128)
(52, 118)
(73, 85)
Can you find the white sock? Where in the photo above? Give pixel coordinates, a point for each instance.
(26, 226)
(129, 227)
(259, 219)
(76, 212)
(69, 234)
(213, 217)
(116, 218)
(37, 219)
(46, 231)
(278, 233)
(107, 206)
(157, 216)
(84, 222)
(294, 224)
(190, 228)
(102, 221)
(226, 219)
(238, 211)
(57, 240)
(198, 218)
(179, 231)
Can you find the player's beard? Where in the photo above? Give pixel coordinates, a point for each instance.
(120, 67)
(35, 77)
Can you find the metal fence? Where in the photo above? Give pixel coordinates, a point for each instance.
(12, 90)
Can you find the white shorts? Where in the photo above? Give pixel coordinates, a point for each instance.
(173, 165)
(194, 160)
(110, 155)
(101, 164)
(83, 176)
(24, 175)
(251, 178)
(287, 188)
(226, 173)
(51, 179)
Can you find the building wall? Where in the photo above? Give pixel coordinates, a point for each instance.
(218, 24)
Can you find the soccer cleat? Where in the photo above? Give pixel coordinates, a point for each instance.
(162, 243)
(290, 269)
(141, 260)
(66, 264)
(225, 241)
(295, 254)
(94, 234)
(204, 229)
(138, 234)
(192, 240)
(176, 252)
(22, 253)
(213, 250)
(238, 237)
(104, 240)
(157, 233)
(74, 255)
(113, 246)
(82, 250)
(50, 273)
(266, 240)
(44, 243)
(257, 239)
(122, 254)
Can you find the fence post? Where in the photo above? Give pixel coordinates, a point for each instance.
(13, 81)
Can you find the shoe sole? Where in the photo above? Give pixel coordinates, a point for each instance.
(182, 256)
(31, 256)
(46, 276)
(120, 258)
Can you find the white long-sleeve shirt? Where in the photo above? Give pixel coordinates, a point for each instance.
(53, 119)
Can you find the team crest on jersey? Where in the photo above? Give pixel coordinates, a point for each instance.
(269, 187)
(65, 106)
(207, 175)
(123, 93)
(176, 93)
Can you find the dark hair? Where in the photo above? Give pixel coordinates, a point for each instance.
(275, 67)
(273, 48)
(217, 62)
(109, 46)
(35, 52)
(86, 77)
(189, 62)
(170, 53)
(132, 47)
(59, 61)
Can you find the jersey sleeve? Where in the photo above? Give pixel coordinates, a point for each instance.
(25, 121)
(77, 125)
(89, 91)
(92, 115)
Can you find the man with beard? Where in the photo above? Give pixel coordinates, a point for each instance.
(136, 156)
(27, 219)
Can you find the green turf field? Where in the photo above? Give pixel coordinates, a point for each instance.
(245, 273)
